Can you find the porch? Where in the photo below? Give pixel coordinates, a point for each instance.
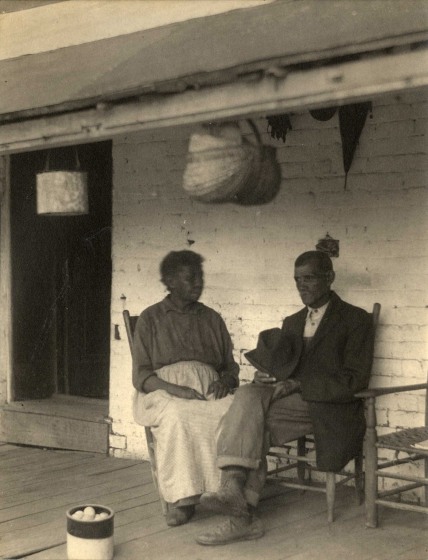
(37, 486)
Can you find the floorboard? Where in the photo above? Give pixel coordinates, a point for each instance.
(38, 486)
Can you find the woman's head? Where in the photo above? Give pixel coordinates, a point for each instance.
(182, 274)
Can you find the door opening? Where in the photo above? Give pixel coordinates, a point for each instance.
(61, 281)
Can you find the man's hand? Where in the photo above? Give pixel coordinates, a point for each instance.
(264, 378)
(285, 388)
(220, 388)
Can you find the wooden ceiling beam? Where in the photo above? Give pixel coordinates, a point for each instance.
(298, 91)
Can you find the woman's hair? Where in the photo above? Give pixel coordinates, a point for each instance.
(322, 260)
(176, 259)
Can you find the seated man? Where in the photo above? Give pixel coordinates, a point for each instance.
(327, 351)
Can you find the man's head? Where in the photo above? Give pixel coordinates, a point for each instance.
(182, 274)
(313, 274)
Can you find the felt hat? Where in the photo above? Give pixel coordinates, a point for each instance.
(274, 353)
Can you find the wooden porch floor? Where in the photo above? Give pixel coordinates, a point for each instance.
(37, 486)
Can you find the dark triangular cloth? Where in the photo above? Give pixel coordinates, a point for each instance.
(351, 122)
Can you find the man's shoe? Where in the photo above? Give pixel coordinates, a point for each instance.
(225, 503)
(232, 530)
(179, 515)
(229, 500)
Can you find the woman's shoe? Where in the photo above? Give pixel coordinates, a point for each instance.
(179, 515)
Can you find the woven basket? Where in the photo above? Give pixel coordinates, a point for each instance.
(264, 184)
(224, 167)
(218, 165)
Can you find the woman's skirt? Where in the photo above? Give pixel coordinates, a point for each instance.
(185, 431)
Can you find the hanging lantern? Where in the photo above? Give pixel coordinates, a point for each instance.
(62, 193)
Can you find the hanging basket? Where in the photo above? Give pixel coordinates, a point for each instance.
(218, 163)
(224, 167)
(264, 183)
(62, 193)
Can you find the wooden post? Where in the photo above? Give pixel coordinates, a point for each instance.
(371, 465)
(6, 385)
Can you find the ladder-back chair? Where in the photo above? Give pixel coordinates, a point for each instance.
(411, 443)
(130, 322)
(294, 455)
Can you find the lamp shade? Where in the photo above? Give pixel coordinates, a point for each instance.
(62, 193)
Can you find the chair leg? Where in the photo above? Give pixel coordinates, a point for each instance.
(152, 455)
(359, 479)
(301, 465)
(330, 494)
(371, 466)
(426, 486)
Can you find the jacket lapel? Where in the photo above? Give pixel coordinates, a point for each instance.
(295, 330)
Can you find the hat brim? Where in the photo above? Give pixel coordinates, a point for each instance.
(250, 357)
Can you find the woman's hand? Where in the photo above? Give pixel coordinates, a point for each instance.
(184, 392)
(220, 388)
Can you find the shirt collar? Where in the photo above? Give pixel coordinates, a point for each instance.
(193, 309)
(319, 310)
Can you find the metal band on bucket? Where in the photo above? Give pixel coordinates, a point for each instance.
(95, 529)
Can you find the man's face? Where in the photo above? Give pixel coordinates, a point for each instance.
(187, 284)
(312, 284)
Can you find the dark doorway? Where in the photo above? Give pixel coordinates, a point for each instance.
(61, 278)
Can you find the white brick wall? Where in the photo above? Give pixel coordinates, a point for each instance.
(380, 220)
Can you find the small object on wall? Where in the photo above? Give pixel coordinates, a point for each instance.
(116, 332)
(278, 126)
(328, 245)
(323, 114)
(62, 193)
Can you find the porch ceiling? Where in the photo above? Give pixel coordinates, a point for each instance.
(240, 45)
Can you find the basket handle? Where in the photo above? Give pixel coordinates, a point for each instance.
(255, 130)
(48, 160)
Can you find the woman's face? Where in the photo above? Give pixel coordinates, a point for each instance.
(187, 284)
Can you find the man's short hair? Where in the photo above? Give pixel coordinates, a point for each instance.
(176, 259)
(322, 260)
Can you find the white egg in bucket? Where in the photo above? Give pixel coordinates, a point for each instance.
(90, 530)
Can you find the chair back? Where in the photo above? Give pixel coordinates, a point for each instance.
(375, 316)
(130, 322)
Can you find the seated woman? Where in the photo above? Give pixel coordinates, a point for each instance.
(183, 373)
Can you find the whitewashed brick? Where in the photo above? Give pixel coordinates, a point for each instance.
(405, 419)
(117, 441)
(380, 220)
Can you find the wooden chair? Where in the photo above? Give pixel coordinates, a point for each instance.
(130, 322)
(401, 441)
(294, 455)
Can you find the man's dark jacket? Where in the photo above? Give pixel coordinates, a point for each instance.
(335, 365)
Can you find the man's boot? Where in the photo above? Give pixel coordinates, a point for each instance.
(233, 529)
(230, 499)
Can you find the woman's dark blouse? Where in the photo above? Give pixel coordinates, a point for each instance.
(166, 335)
